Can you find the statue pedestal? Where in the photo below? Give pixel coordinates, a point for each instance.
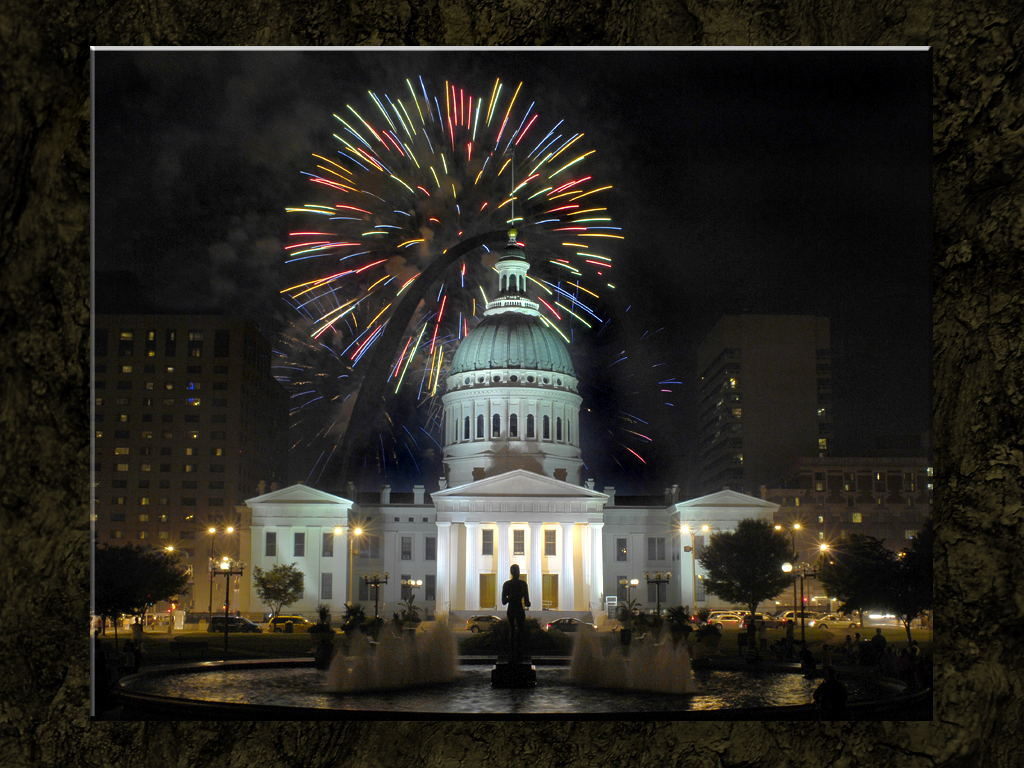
(511, 674)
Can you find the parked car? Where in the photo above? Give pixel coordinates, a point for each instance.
(769, 620)
(568, 625)
(726, 620)
(835, 620)
(299, 624)
(482, 623)
(234, 624)
(808, 616)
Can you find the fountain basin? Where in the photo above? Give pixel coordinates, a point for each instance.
(295, 690)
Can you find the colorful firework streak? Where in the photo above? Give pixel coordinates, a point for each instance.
(410, 177)
(413, 175)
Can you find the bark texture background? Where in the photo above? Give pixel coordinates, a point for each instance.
(44, 358)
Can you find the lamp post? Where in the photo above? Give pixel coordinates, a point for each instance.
(412, 584)
(229, 568)
(353, 532)
(213, 531)
(629, 584)
(375, 581)
(804, 572)
(188, 571)
(792, 539)
(659, 579)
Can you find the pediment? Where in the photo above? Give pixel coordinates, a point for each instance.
(519, 483)
(730, 499)
(298, 494)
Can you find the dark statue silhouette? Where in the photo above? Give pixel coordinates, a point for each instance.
(516, 594)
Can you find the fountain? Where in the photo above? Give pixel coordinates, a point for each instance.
(421, 676)
(396, 662)
(649, 667)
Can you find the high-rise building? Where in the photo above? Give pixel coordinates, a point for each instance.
(188, 422)
(765, 399)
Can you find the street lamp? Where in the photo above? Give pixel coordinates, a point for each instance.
(658, 579)
(351, 556)
(213, 531)
(629, 584)
(375, 581)
(412, 584)
(188, 572)
(229, 568)
(792, 539)
(804, 572)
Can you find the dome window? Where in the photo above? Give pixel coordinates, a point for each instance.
(498, 379)
(513, 378)
(496, 426)
(530, 379)
(547, 427)
(558, 425)
(513, 426)
(465, 429)
(467, 380)
(480, 427)
(479, 379)
(559, 382)
(529, 426)
(547, 380)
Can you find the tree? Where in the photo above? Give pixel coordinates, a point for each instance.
(858, 571)
(911, 585)
(863, 573)
(280, 586)
(129, 579)
(745, 566)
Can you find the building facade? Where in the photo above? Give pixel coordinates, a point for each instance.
(512, 494)
(765, 399)
(885, 498)
(188, 421)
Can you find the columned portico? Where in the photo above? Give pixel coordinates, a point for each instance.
(595, 528)
(519, 501)
(472, 572)
(503, 562)
(534, 579)
(567, 586)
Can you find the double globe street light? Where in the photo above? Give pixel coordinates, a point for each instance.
(659, 579)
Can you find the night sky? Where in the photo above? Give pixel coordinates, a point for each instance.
(785, 181)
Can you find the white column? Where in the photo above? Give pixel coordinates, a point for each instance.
(567, 589)
(472, 577)
(534, 580)
(597, 565)
(503, 560)
(588, 573)
(443, 569)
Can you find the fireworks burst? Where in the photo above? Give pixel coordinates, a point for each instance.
(408, 178)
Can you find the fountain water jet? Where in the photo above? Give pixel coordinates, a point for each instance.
(650, 667)
(396, 662)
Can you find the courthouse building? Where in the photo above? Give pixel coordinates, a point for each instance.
(512, 493)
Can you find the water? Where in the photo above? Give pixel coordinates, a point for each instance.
(650, 667)
(471, 692)
(396, 662)
(422, 675)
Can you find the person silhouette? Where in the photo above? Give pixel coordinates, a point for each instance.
(516, 595)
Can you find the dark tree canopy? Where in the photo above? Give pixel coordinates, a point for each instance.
(745, 566)
(280, 586)
(856, 571)
(129, 579)
(863, 573)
